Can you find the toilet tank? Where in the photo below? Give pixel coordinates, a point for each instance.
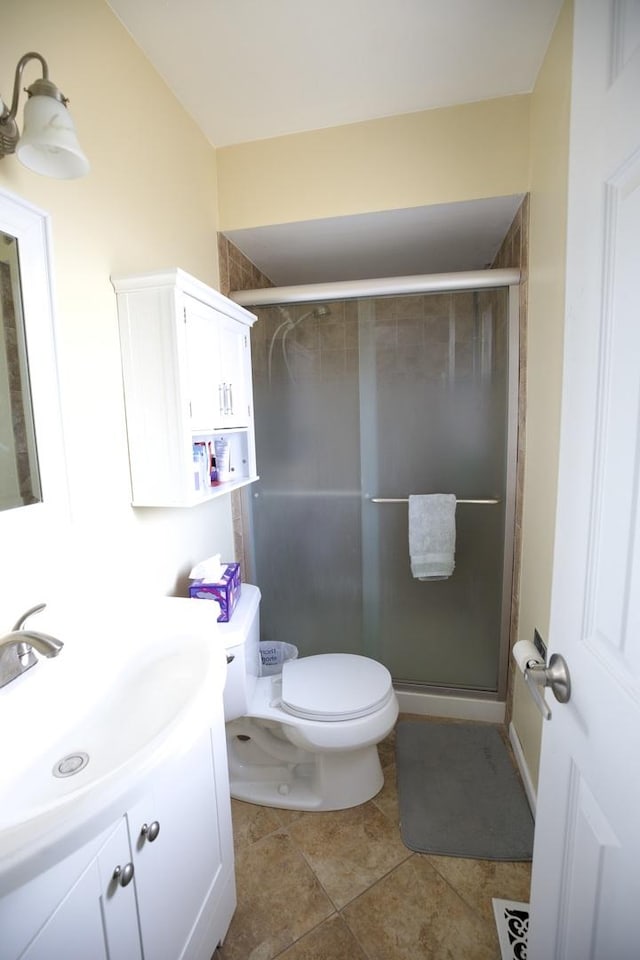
(241, 637)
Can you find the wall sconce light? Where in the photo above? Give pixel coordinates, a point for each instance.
(48, 144)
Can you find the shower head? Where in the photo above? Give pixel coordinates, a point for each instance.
(286, 326)
(316, 312)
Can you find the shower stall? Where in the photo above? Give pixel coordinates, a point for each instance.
(362, 399)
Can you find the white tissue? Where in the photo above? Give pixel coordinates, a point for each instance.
(210, 570)
(524, 653)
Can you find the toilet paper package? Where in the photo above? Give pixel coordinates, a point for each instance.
(225, 588)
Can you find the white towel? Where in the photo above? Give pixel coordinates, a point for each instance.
(432, 535)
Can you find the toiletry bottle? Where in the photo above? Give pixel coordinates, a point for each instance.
(204, 467)
(196, 468)
(213, 475)
(223, 458)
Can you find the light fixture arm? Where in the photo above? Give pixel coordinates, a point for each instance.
(9, 132)
(22, 62)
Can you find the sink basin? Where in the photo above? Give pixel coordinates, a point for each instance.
(88, 733)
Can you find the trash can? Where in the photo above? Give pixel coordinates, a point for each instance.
(273, 655)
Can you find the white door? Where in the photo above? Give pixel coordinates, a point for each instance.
(586, 867)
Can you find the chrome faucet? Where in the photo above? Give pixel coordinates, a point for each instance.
(16, 653)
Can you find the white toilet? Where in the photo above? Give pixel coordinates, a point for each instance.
(304, 739)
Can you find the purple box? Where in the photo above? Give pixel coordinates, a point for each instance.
(225, 591)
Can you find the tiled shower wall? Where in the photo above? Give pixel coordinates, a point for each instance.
(238, 273)
(430, 336)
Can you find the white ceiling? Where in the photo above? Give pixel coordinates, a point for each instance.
(250, 69)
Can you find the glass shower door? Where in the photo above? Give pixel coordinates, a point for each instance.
(383, 398)
(434, 420)
(306, 506)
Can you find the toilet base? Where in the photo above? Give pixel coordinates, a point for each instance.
(298, 779)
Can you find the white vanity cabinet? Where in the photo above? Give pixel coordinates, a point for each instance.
(156, 885)
(186, 364)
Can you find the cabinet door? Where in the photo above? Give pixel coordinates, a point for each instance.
(235, 369)
(97, 917)
(176, 869)
(203, 357)
(75, 931)
(117, 902)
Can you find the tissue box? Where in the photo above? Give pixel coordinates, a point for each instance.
(225, 591)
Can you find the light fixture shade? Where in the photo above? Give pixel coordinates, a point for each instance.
(49, 144)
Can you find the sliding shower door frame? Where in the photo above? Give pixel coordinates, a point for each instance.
(442, 283)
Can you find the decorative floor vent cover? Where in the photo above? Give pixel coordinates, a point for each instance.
(512, 921)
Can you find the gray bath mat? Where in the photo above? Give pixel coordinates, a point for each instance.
(459, 793)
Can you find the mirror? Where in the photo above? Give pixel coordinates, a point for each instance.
(33, 479)
(19, 473)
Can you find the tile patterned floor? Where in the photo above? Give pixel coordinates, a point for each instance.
(342, 886)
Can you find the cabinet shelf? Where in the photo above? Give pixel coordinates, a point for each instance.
(212, 493)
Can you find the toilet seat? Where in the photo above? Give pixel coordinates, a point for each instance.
(334, 687)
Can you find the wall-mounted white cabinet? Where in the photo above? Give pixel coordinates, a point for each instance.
(186, 364)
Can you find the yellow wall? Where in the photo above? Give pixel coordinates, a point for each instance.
(437, 156)
(549, 171)
(150, 201)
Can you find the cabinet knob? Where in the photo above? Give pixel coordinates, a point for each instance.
(123, 875)
(150, 831)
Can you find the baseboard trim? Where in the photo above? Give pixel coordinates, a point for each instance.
(529, 789)
(450, 706)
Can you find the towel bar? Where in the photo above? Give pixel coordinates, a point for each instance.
(406, 500)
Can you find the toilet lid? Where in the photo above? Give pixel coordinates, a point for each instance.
(334, 686)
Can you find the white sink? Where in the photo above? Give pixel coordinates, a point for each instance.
(115, 709)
